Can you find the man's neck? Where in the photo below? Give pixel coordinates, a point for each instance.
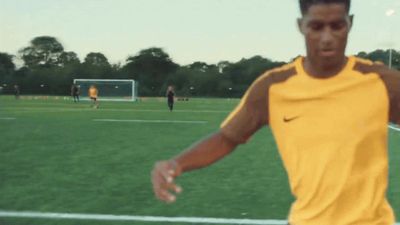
(318, 70)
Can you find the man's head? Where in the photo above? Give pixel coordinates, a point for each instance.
(325, 25)
(306, 4)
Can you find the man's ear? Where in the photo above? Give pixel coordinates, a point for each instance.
(351, 18)
(300, 25)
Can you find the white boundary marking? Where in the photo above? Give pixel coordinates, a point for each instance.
(151, 121)
(394, 128)
(201, 220)
(7, 118)
(49, 109)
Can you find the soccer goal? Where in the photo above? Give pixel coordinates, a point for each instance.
(108, 89)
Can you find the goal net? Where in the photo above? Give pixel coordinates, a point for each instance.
(108, 89)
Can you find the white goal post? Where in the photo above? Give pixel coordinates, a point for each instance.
(108, 89)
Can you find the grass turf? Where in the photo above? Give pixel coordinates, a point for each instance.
(55, 158)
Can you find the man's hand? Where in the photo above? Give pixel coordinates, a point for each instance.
(162, 177)
(200, 155)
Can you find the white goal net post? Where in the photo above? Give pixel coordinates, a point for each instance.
(108, 89)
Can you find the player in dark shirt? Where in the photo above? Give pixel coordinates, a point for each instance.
(75, 92)
(16, 91)
(170, 97)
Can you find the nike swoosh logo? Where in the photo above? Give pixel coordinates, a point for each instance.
(287, 120)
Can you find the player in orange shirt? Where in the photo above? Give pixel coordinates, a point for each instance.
(329, 114)
(93, 95)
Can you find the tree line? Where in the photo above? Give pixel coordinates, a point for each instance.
(49, 70)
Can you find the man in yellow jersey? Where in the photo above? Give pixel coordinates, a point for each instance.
(329, 115)
(93, 95)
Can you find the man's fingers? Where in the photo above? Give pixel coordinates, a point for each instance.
(176, 188)
(170, 185)
(165, 170)
(166, 174)
(163, 188)
(166, 196)
(163, 181)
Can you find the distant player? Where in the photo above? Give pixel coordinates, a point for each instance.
(75, 92)
(170, 97)
(16, 91)
(93, 95)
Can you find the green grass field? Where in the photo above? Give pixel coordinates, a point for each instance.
(55, 158)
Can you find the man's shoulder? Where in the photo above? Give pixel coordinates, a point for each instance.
(366, 66)
(390, 77)
(270, 77)
(276, 75)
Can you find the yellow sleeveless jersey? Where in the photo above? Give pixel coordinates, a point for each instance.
(93, 92)
(332, 136)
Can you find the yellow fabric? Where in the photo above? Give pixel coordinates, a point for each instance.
(93, 92)
(335, 152)
(332, 137)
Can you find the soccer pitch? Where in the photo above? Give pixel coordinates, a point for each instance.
(58, 156)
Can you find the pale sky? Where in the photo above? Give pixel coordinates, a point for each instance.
(188, 30)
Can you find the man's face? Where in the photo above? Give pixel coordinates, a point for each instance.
(325, 28)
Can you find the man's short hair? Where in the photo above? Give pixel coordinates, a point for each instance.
(306, 4)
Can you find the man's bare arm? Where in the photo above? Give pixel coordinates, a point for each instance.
(201, 154)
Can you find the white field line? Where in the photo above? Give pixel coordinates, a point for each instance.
(41, 109)
(166, 110)
(7, 118)
(50, 110)
(394, 128)
(151, 121)
(103, 217)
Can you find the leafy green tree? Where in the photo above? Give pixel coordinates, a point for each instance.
(68, 58)
(382, 56)
(180, 80)
(363, 55)
(200, 79)
(379, 55)
(96, 59)
(222, 65)
(244, 72)
(151, 67)
(43, 51)
(396, 60)
(20, 77)
(95, 66)
(203, 79)
(7, 67)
